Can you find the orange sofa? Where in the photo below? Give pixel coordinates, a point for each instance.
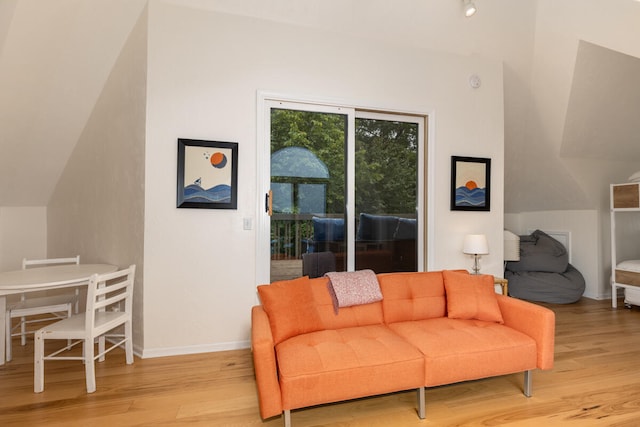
(429, 329)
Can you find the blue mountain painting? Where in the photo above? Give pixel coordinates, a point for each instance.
(218, 194)
(474, 198)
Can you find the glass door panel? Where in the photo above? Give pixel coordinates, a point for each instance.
(386, 194)
(308, 162)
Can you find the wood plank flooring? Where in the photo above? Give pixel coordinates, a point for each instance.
(595, 382)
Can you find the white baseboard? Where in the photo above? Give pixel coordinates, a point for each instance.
(195, 349)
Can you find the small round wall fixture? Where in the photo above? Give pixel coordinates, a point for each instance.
(474, 81)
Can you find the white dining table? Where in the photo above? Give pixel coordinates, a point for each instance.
(40, 279)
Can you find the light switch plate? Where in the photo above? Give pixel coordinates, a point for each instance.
(247, 224)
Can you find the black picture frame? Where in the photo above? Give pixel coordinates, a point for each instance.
(207, 174)
(470, 183)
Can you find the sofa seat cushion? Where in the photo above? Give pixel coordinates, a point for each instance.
(460, 350)
(333, 365)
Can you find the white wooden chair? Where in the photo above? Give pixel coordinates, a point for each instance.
(55, 306)
(108, 315)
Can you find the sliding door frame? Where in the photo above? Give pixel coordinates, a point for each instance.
(266, 101)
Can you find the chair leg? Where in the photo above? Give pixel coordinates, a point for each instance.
(69, 313)
(76, 307)
(7, 339)
(89, 365)
(23, 331)
(287, 417)
(128, 345)
(23, 324)
(38, 363)
(101, 347)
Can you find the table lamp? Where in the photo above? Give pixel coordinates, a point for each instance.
(476, 245)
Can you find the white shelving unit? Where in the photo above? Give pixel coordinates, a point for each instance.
(624, 198)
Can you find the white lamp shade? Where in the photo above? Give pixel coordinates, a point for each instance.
(475, 244)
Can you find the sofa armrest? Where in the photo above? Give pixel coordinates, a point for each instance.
(534, 320)
(264, 364)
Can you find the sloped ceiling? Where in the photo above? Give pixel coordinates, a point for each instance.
(603, 116)
(598, 142)
(55, 57)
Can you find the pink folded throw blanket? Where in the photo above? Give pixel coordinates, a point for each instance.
(349, 288)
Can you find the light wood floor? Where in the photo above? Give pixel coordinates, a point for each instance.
(595, 382)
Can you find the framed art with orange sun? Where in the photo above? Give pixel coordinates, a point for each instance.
(470, 184)
(207, 174)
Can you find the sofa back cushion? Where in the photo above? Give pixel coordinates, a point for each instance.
(412, 296)
(356, 315)
(290, 307)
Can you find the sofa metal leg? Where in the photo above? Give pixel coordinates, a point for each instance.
(286, 414)
(527, 383)
(421, 410)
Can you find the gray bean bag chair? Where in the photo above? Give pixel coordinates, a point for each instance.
(557, 288)
(543, 273)
(540, 252)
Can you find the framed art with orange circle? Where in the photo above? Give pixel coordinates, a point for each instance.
(470, 183)
(207, 174)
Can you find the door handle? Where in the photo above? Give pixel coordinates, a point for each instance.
(268, 203)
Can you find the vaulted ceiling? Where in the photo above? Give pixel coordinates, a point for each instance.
(603, 116)
(55, 57)
(569, 124)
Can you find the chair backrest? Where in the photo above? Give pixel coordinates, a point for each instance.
(51, 261)
(110, 292)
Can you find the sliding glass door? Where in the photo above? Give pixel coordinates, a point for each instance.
(344, 190)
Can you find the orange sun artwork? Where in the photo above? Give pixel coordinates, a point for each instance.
(218, 160)
(471, 185)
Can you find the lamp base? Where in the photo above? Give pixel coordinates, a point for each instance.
(476, 264)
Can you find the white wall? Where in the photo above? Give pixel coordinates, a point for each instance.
(97, 209)
(23, 234)
(586, 246)
(205, 70)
